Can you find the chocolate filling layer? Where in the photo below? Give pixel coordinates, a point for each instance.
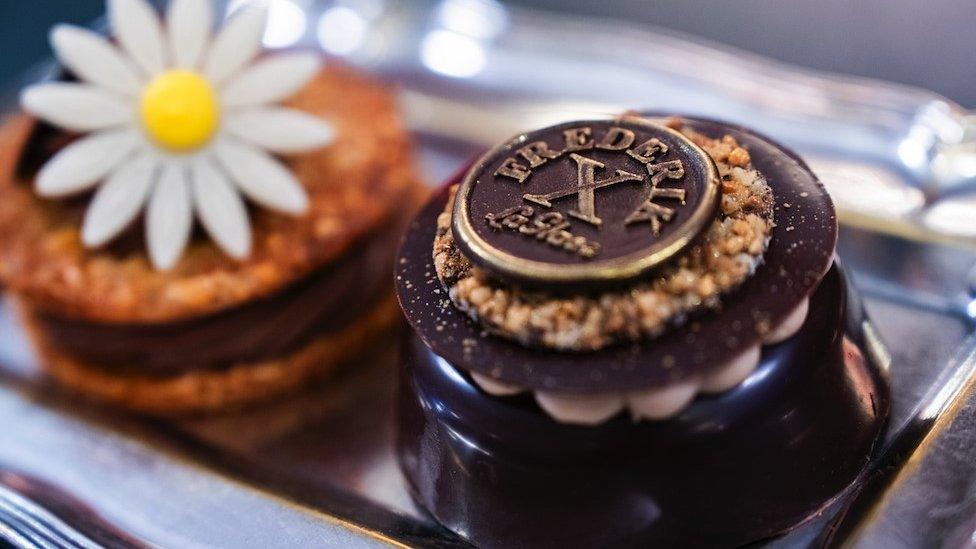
(326, 301)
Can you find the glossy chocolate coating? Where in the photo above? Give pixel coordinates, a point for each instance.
(730, 469)
(800, 251)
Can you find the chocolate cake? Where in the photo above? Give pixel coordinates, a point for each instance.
(632, 332)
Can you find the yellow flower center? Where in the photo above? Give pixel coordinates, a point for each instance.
(180, 110)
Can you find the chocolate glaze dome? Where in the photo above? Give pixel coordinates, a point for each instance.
(749, 409)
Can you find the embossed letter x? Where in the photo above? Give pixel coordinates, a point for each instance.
(585, 185)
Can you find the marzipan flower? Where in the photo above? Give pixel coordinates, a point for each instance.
(178, 122)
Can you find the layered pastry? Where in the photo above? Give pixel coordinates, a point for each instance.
(628, 332)
(188, 223)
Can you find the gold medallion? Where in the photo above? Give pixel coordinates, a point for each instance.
(599, 201)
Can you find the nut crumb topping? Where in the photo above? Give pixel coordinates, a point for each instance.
(729, 253)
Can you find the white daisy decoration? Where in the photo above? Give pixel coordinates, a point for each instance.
(179, 122)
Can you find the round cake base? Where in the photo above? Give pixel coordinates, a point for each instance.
(731, 469)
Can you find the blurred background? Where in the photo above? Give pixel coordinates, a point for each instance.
(899, 162)
(925, 44)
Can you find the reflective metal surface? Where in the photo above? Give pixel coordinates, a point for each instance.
(319, 469)
(26, 524)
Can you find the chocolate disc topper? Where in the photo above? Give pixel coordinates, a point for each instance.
(598, 201)
(801, 250)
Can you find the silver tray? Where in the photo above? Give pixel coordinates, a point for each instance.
(318, 470)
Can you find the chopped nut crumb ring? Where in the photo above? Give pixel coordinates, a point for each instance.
(800, 251)
(729, 252)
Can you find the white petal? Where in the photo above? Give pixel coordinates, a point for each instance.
(580, 409)
(93, 59)
(169, 216)
(270, 80)
(188, 23)
(221, 209)
(76, 107)
(495, 387)
(236, 44)
(790, 325)
(663, 402)
(136, 26)
(262, 178)
(279, 129)
(119, 200)
(83, 163)
(732, 373)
